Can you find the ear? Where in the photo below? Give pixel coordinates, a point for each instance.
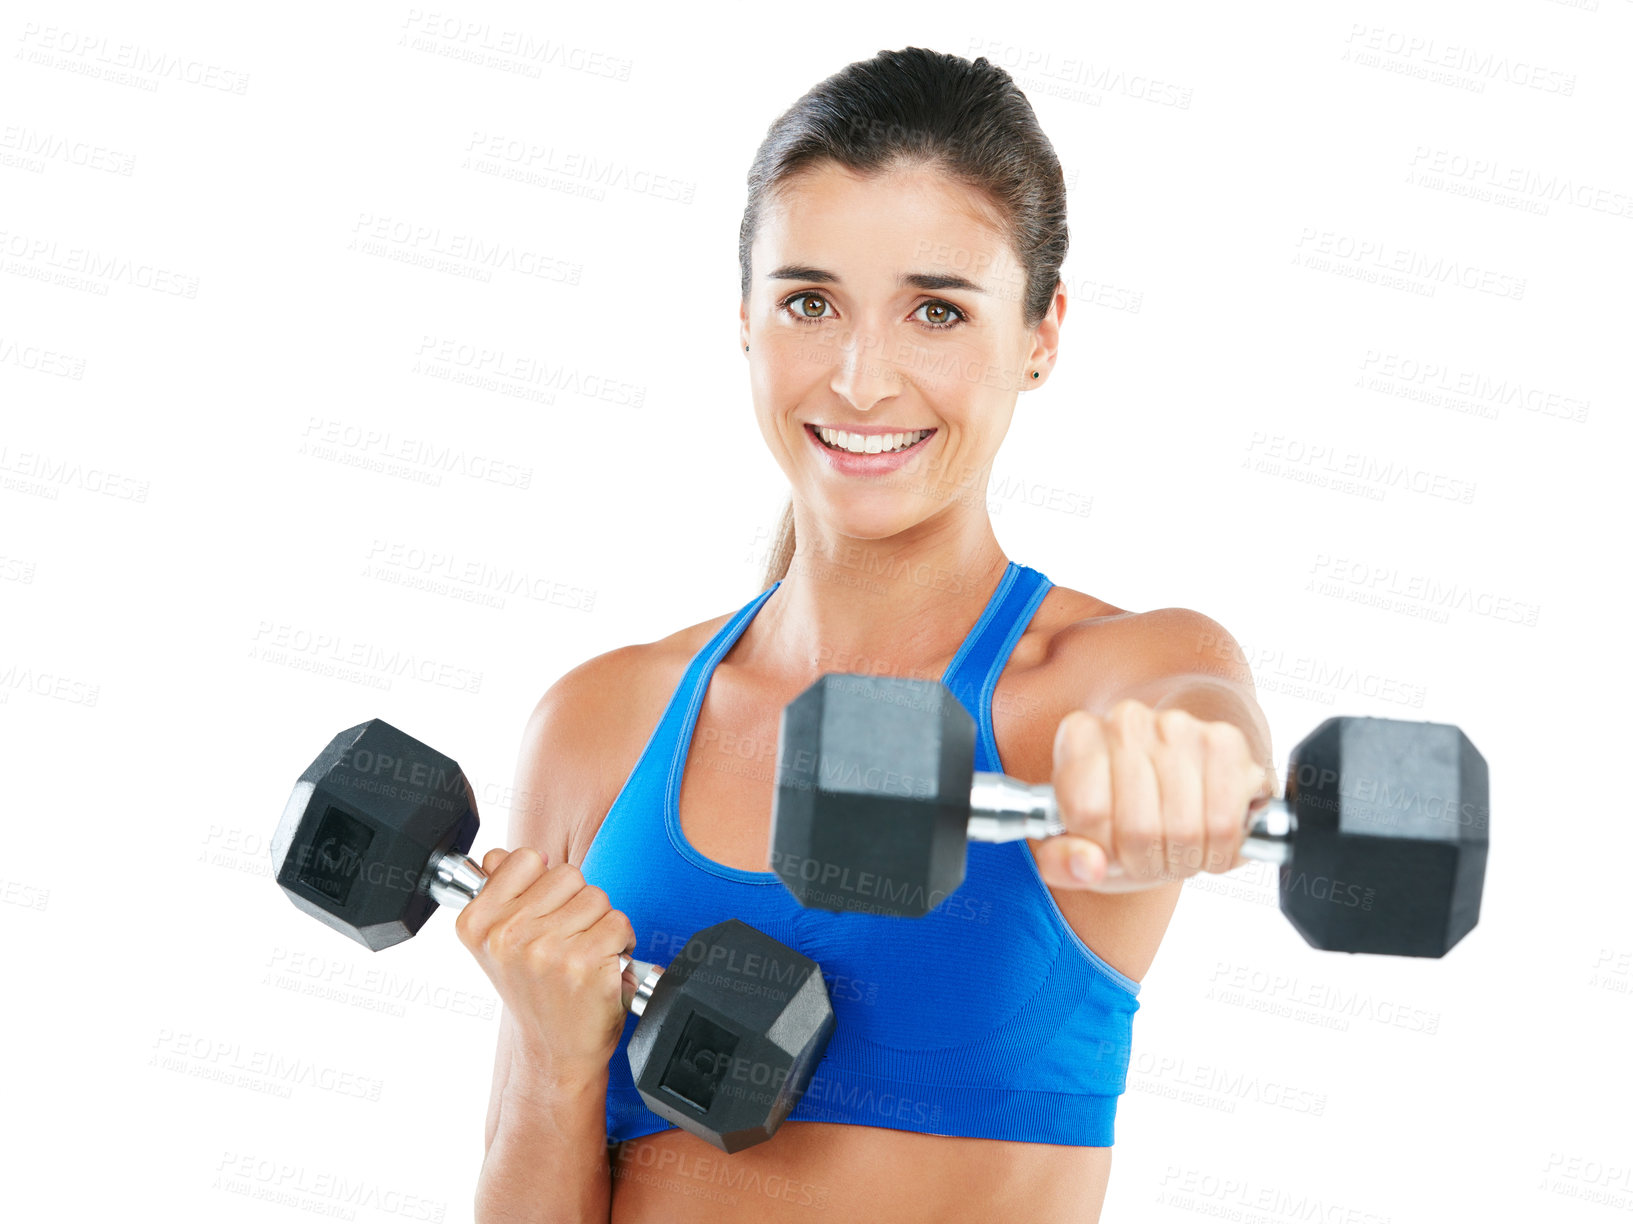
(1046, 340)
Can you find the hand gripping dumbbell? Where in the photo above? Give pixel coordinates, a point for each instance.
(373, 839)
(1381, 839)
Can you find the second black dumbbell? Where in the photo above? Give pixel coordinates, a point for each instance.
(373, 840)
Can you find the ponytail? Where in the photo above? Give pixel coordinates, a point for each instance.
(782, 547)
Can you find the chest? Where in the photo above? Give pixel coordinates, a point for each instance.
(952, 979)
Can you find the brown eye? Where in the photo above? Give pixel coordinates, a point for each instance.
(940, 315)
(805, 308)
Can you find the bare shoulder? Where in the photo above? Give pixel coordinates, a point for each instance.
(1113, 648)
(586, 734)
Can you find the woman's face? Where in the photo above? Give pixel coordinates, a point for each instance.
(883, 306)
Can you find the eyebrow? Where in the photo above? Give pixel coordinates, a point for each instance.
(911, 280)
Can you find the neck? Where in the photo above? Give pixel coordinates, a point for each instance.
(895, 606)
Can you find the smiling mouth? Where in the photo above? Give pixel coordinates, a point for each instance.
(869, 444)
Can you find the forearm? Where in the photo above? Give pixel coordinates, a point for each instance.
(547, 1160)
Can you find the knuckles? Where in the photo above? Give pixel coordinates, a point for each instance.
(1224, 738)
(1177, 727)
(1130, 718)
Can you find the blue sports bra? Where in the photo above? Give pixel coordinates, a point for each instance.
(987, 1018)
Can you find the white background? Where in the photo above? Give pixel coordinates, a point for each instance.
(181, 571)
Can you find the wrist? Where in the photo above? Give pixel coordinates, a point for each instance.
(540, 1069)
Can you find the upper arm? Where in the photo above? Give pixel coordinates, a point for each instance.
(563, 750)
(1177, 642)
(555, 783)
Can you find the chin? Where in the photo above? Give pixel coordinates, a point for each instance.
(874, 516)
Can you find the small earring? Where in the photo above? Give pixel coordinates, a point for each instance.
(1034, 373)
(745, 348)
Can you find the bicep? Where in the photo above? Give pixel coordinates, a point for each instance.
(540, 817)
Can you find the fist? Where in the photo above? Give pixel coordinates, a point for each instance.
(1148, 797)
(550, 943)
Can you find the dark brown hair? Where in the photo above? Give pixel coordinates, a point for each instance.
(966, 118)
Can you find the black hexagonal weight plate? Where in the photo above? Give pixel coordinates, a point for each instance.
(736, 1025)
(872, 803)
(368, 816)
(1390, 852)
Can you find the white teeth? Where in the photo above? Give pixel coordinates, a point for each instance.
(870, 444)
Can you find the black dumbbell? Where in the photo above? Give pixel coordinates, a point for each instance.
(1381, 839)
(373, 839)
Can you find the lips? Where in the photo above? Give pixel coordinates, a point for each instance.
(850, 463)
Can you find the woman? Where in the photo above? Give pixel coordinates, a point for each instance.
(900, 258)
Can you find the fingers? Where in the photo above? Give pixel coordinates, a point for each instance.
(580, 939)
(518, 892)
(1082, 776)
(1180, 783)
(1227, 787)
(1137, 840)
(611, 934)
(1164, 794)
(492, 859)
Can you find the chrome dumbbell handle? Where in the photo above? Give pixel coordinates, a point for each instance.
(456, 879)
(1004, 809)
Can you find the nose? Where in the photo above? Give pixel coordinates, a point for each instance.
(861, 373)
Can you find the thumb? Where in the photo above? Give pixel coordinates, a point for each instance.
(1069, 861)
